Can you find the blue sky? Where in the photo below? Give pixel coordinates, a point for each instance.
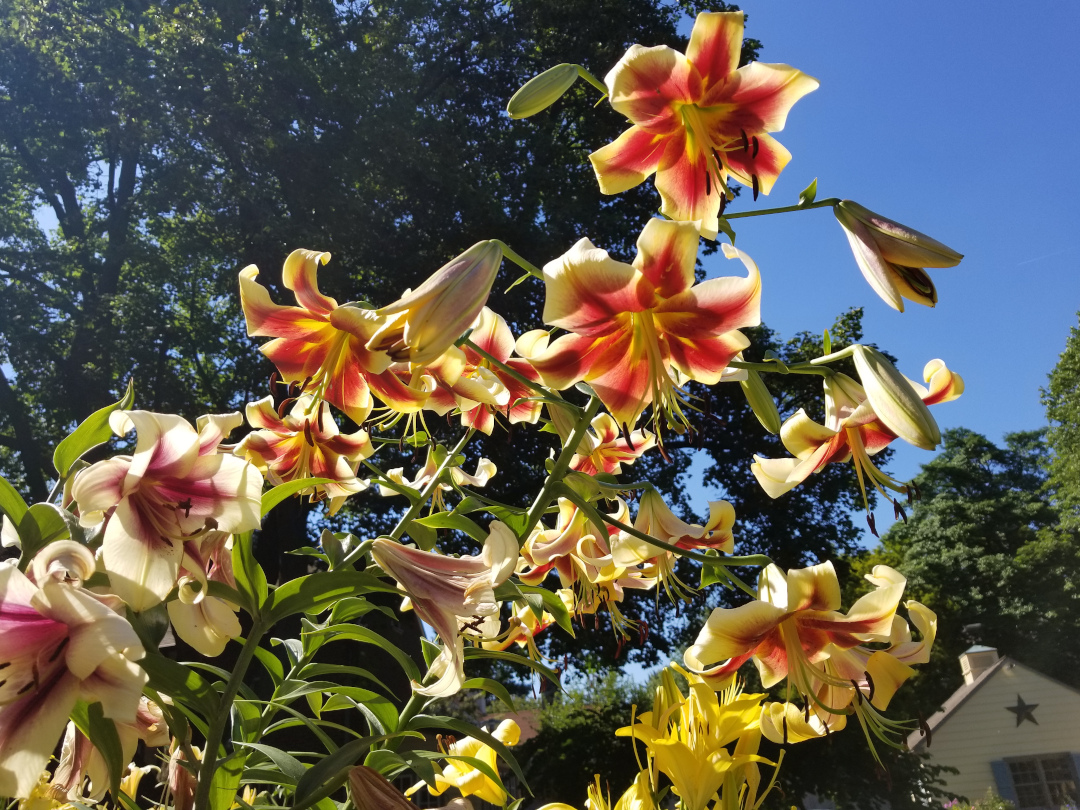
(958, 119)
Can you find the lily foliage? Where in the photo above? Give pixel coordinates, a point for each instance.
(159, 540)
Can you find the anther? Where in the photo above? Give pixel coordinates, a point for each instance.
(723, 204)
(870, 683)
(806, 710)
(307, 433)
(858, 692)
(318, 420)
(872, 523)
(626, 437)
(59, 649)
(757, 186)
(663, 452)
(785, 729)
(275, 381)
(708, 182)
(754, 155)
(924, 730)
(284, 406)
(745, 141)
(305, 383)
(186, 506)
(295, 389)
(898, 512)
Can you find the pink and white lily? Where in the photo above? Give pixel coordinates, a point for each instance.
(638, 332)
(305, 443)
(697, 119)
(58, 644)
(204, 621)
(443, 589)
(605, 449)
(176, 485)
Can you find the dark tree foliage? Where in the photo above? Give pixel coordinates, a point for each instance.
(1061, 398)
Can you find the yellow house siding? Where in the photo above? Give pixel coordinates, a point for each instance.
(981, 730)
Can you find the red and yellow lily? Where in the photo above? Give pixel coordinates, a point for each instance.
(852, 429)
(305, 443)
(697, 119)
(637, 332)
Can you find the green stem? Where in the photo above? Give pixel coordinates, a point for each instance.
(547, 494)
(595, 82)
(765, 211)
(513, 256)
(717, 562)
(427, 492)
(782, 368)
(216, 729)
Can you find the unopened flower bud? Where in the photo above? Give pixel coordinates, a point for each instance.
(896, 402)
(540, 92)
(761, 401)
(425, 322)
(892, 256)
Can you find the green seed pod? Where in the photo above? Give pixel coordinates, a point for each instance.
(540, 92)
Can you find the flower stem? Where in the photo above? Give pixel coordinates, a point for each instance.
(595, 82)
(765, 211)
(427, 492)
(512, 372)
(782, 368)
(513, 256)
(547, 494)
(216, 729)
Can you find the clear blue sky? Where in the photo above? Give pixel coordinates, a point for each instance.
(958, 119)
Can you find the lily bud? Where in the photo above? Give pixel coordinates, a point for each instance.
(540, 92)
(892, 256)
(425, 322)
(895, 400)
(761, 401)
(370, 790)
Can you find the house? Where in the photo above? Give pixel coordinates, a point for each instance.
(1010, 729)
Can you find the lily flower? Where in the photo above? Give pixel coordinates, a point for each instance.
(852, 430)
(637, 332)
(176, 485)
(892, 257)
(442, 589)
(637, 797)
(471, 781)
(322, 344)
(305, 443)
(425, 322)
(698, 118)
(59, 644)
(370, 790)
(481, 389)
(700, 740)
(485, 469)
(794, 626)
(605, 449)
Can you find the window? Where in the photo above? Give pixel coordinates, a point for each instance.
(1048, 781)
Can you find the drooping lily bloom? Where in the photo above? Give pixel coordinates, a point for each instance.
(305, 443)
(637, 332)
(637, 797)
(323, 343)
(471, 781)
(699, 740)
(482, 389)
(794, 626)
(425, 322)
(852, 430)
(58, 644)
(80, 760)
(606, 449)
(656, 519)
(441, 589)
(485, 469)
(176, 485)
(892, 257)
(697, 119)
(204, 621)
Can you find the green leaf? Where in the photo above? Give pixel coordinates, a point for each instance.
(151, 625)
(11, 503)
(339, 632)
(515, 519)
(553, 605)
(42, 524)
(513, 658)
(292, 768)
(272, 664)
(279, 493)
(808, 194)
(250, 578)
(319, 591)
(330, 772)
(492, 687)
(425, 537)
(90, 720)
(226, 780)
(182, 684)
(458, 522)
(93, 431)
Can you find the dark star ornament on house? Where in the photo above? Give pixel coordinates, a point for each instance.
(1024, 711)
